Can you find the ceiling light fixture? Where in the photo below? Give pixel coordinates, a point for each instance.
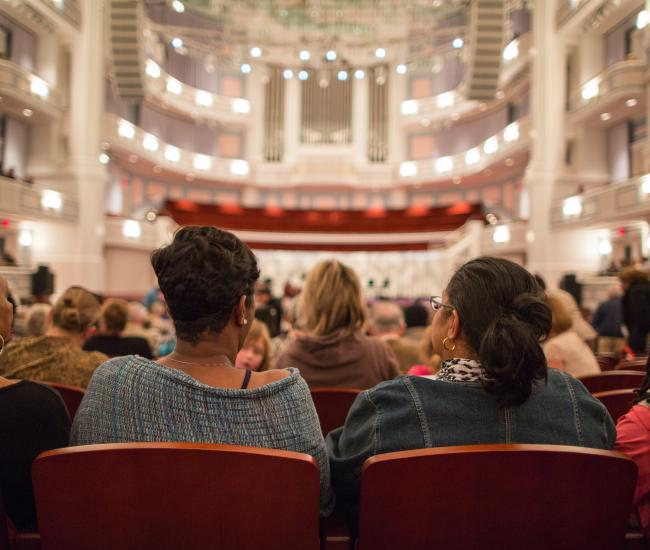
(177, 42)
(330, 55)
(178, 6)
(359, 74)
(246, 68)
(400, 69)
(380, 53)
(304, 55)
(631, 102)
(457, 43)
(256, 52)
(605, 117)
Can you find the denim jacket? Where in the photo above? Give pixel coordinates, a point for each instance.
(413, 412)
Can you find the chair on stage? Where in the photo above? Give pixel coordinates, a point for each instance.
(332, 406)
(618, 402)
(176, 495)
(71, 396)
(496, 496)
(612, 380)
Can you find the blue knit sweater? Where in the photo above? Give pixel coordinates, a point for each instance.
(135, 399)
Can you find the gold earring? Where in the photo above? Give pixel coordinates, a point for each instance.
(2, 343)
(444, 344)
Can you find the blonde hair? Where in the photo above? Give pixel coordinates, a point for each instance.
(331, 300)
(561, 320)
(259, 331)
(75, 310)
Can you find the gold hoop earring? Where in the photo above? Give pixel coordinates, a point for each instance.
(2, 343)
(444, 344)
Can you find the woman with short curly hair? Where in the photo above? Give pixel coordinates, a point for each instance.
(196, 393)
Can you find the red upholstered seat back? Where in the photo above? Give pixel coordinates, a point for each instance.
(535, 497)
(71, 396)
(612, 380)
(332, 406)
(618, 402)
(176, 495)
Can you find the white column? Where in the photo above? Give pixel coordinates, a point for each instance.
(396, 94)
(87, 107)
(254, 136)
(547, 102)
(591, 59)
(360, 120)
(292, 97)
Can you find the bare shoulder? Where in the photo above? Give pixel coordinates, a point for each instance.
(268, 377)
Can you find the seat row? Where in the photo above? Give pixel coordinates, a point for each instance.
(186, 495)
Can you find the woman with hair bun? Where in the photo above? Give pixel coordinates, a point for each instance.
(57, 356)
(493, 385)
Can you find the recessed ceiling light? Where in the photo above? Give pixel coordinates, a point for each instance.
(342, 75)
(380, 53)
(400, 69)
(457, 43)
(178, 6)
(303, 75)
(27, 112)
(605, 116)
(104, 158)
(330, 55)
(256, 52)
(287, 74)
(631, 102)
(359, 74)
(177, 42)
(246, 68)
(304, 55)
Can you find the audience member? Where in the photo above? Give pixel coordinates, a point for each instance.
(57, 356)
(37, 319)
(110, 341)
(387, 324)
(633, 439)
(608, 320)
(267, 308)
(255, 353)
(416, 317)
(636, 308)
(196, 394)
(34, 419)
(579, 325)
(493, 385)
(332, 350)
(138, 324)
(564, 349)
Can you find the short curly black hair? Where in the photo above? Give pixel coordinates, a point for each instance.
(202, 275)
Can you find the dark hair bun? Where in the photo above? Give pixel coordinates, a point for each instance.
(503, 316)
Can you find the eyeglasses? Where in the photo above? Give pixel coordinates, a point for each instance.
(436, 303)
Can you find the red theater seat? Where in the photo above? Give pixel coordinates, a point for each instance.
(535, 497)
(618, 402)
(71, 395)
(612, 380)
(637, 364)
(332, 406)
(176, 495)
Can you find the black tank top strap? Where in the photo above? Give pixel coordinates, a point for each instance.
(247, 377)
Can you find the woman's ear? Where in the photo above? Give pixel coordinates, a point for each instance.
(453, 330)
(240, 311)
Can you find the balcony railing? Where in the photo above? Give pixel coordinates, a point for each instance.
(20, 84)
(33, 202)
(621, 202)
(568, 9)
(123, 135)
(193, 101)
(513, 138)
(620, 78)
(516, 57)
(68, 9)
